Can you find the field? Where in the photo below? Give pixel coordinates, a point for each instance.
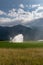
(30, 44)
(27, 53)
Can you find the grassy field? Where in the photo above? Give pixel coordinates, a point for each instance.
(31, 44)
(28, 56)
(27, 53)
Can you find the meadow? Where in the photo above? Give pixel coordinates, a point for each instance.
(26, 53)
(30, 44)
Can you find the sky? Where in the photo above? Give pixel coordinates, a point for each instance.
(13, 12)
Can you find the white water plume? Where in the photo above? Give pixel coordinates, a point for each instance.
(17, 38)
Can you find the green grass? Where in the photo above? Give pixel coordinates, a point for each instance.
(30, 44)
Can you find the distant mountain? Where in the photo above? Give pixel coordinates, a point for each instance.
(7, 32)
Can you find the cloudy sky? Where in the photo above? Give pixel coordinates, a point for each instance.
(14, 12)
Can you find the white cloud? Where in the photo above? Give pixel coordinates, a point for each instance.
(36, 5)
(21, 16)
(21, 11)
(21, 6)
(2, 12)
(12, 13)
(37, 14)
(33, 6)
(4, 20)
(39, 8)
